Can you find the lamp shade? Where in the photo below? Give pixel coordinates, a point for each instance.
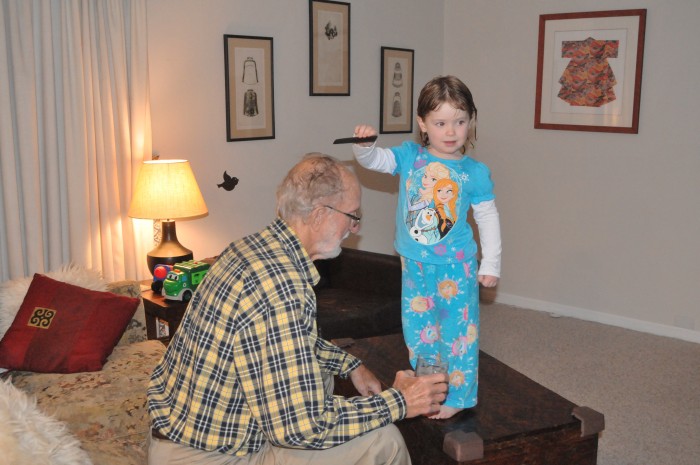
(167, 189)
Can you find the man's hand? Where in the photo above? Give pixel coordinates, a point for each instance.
(365, 382)
(423, 394)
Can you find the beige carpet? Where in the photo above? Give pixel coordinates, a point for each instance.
(648, 387)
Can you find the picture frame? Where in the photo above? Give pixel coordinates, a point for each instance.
(589, 71)
(250, 99)
(396, 101)
(329, 48)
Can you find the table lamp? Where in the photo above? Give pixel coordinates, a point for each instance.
(166, 190)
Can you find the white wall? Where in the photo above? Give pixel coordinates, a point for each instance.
(186, 58)
(600, 226)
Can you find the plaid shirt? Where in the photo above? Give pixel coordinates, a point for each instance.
(246, 364)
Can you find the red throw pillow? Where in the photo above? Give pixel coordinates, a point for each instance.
(63, 328)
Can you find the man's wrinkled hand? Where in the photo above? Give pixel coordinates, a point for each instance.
(423, 394)
(364, 381)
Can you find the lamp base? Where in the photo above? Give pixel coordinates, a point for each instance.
(169, 251)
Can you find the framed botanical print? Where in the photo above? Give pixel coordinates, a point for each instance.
(329, 42)
(250, 105)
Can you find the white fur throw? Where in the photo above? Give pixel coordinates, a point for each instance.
(29, 437)
(12, 292)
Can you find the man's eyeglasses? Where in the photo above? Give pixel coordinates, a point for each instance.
(355, 219)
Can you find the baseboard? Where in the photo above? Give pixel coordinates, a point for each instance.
(592, 315)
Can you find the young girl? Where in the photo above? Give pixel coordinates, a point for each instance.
(442, 268)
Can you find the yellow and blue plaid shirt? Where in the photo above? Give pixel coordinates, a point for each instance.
(246, 364)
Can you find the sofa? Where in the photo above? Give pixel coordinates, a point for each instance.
(104, 410)
(358, 296)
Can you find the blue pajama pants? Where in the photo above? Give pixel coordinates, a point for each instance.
(440, 315)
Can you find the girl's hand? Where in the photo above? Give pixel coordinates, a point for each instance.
(488, 281)
(364, 130)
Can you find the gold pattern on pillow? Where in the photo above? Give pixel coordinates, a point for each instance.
(41, 318)
(85, 327)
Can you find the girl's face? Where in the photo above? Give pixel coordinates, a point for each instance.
(447, 128)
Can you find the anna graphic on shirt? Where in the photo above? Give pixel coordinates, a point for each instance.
(445, 198)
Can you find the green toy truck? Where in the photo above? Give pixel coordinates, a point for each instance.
(181, 282)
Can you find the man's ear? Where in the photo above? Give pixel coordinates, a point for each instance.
(316, 218)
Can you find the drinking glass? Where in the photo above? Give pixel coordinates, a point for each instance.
(428, 364)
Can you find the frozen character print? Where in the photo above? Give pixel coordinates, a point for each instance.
(445, 199)
(419, 188)
(457, 379)
(425, 228)
(421, 304)
(448, 288)
(430, 334)
(460, 346)
(472, 333)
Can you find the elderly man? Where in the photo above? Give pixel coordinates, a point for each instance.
(247, 380)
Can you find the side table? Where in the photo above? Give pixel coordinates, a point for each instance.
(158, 309)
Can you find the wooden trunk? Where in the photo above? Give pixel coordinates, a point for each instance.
(516, 421)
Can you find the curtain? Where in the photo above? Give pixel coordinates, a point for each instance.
(74, 129)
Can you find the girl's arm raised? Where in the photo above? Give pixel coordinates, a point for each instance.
(369, 155)
(375, 158)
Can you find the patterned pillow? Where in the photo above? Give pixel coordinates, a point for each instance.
(12, 292)
(63, 328)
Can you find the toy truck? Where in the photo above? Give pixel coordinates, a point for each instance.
(181, 282)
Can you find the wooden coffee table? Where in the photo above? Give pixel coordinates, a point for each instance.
(516, 421)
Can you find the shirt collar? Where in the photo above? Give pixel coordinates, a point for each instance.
(291, 243)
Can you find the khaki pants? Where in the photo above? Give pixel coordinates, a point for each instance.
(384, 446)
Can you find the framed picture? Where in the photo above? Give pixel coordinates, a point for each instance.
(396, 103)
(250, 100)
(589, 71)
(329, 38)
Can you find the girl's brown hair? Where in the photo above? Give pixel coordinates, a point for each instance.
(448, 89)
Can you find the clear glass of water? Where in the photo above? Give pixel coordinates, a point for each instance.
(428, 364)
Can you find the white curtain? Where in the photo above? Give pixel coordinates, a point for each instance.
(74, 128)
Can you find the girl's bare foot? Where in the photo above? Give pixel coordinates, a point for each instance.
(445, 412)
